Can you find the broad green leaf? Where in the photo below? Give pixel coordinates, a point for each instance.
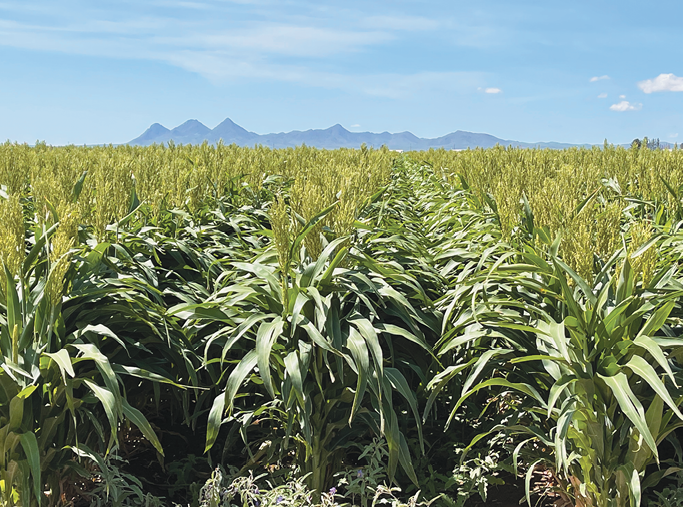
(367, 331)
(643, 369)
(108, 401)
(267, 335)
(136, 417)
(657, 319)
(654, 348)
(90, 351)
(361, 365)
(398, 381)
(293, 369)
(215, 419)
(631, 407)
(63, 361)
(441, 379)
(479, 367)
(78, 187)
(326, 278)
(237, 376)
(14, 319)
(557, 389)
(30, 446)
(38, 247)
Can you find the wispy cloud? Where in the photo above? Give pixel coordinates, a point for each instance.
(625, 105)
(673, 136)
(622, 96)
(219, 67)
(662, 83)
(598, 78)
(298, 49)
(493, 90)
(602, 96)
(355, 126)
(289, 40)
(403, 23)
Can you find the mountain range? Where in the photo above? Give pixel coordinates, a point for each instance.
(195, 132)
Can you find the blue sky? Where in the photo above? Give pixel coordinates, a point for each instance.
(98, 72)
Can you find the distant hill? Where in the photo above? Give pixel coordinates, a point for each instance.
(194, 132)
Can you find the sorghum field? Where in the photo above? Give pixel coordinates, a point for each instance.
(216, 325)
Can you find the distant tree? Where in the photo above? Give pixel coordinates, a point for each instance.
(650, 144)
(653, 144)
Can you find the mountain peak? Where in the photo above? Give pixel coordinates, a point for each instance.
(336, 136)
(155, 131)
(229, 132)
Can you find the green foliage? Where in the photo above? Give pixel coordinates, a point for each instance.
(362, 483)
(475, 476)
(244, 492)
(301, 309)
(116, 488)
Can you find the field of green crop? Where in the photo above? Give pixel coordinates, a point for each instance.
(215, 325)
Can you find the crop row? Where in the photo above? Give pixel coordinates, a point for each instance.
(292, 310)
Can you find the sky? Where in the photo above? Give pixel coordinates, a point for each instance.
(84, 72)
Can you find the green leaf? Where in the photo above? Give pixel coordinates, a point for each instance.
(404, 459)
(654, 348)
(78, 187)
(359, 351)
(367, 331)
(30, 445)
(136, 417)
(14, 320)
(399, 331)
(480, 365)
(643, 369)
(215, 420)
(327, 275)
(90, 351)
(557, 389)
(63, 361)
(108, 401)
(237, 376)
(631, 407)
(293, 368)
(320, 263)
(267, 335)
(308, 228)
(134, 371)
(657, 319)
(398, 381)
(441, 379)
(37, 248)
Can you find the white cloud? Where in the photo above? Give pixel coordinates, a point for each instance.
(673, 136)
(625, 105)
(622, 96)
(598, 78)
(355, 126)
(493, 90)
(602, 96)
(662, 83)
